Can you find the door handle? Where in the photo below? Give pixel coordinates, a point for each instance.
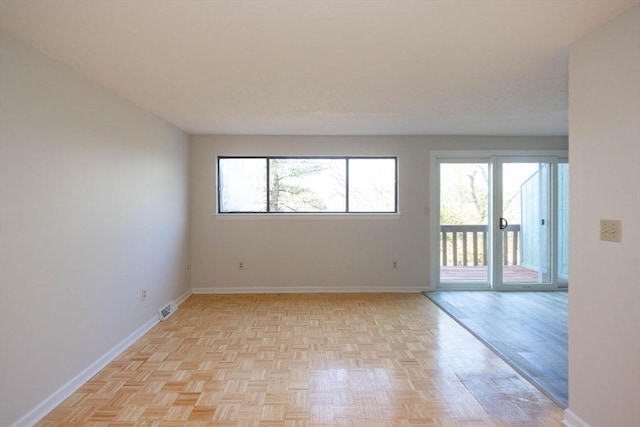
(503, 223)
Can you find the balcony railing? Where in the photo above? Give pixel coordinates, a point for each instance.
(467, 245)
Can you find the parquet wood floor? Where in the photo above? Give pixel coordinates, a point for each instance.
(307, 360)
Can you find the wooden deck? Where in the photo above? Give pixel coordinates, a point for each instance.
(478, 273)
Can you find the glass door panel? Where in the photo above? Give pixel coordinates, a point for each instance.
(563, 223)
(464, 223)
(524, 223)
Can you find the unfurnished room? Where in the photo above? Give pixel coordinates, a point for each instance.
(309, 213)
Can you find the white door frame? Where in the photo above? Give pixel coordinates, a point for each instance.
(493, 158)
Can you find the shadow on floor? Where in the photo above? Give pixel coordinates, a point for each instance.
(528, 330)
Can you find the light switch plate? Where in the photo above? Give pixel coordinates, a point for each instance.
(611, 230)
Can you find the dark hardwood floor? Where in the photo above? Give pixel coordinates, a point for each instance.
(527, 329)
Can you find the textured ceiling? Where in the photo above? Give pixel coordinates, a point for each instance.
(325, 67)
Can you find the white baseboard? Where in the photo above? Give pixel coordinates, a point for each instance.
(47, 405)
(572, 420)
(182, 298)
(307, 289)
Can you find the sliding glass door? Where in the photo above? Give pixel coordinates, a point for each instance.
(523, 232)
(562, 224)
(464, 223)
(501, 222)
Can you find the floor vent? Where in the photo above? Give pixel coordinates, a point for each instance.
(167, 311)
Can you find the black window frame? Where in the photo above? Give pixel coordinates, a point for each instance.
(345, 212)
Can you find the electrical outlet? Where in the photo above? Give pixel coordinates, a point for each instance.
(241, 265)
(394, 265)
(144, 295)
(611, 230)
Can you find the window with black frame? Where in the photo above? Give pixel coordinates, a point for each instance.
(280, 185)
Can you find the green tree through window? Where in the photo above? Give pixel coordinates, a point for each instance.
(306, 185)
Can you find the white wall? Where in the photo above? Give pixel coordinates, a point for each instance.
(604, 305)
(93, 207)
(336, 253)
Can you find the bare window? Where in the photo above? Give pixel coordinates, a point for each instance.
(372, 185)
(307, 185)
(242, 185)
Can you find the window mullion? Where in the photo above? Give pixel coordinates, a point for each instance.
(268, 160)
(346, 190)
